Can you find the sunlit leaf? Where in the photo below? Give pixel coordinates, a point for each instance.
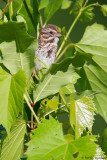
(13, 147)
(52, 7)
(58, 76)
(68, 89)
(99, 154)
(48, 142)
(94, 43)
(12, 88)
(104, 10)
(66, 4)
(17, 47)
(81, 115)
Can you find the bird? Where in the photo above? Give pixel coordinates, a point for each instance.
(47, 46)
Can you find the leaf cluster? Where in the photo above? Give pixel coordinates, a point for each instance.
(58, 104)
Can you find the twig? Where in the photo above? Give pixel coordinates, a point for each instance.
(71, 44)
(30, 107)
(5, 8)
(69, 31)
(63, 99)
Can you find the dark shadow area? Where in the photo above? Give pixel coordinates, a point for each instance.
(98, 127)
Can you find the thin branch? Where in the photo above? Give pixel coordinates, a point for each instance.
(85, 3)
(71, 44)
(5, 8)
(32, 122)
(63, 99)
(69, 31)
(30, 107)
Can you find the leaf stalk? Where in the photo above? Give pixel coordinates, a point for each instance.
(30, 107)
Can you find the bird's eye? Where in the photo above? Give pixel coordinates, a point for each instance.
(51, 32)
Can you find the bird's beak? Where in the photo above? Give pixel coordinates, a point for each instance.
(59, 34)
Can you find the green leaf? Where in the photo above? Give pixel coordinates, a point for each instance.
(104, 10)
(13, 147)
(58, 76)
(99, 154)
(43, 4)
(17, 47)
(94, 43)
(68, 89)
(52, 7)
(104, 141)
(12, 88)
(48, 142)
(81, 115)
(16, 4)
(66, 4)
(36, 14)
(52, 103)
(24, 14)
(87, 15)
(76, 6)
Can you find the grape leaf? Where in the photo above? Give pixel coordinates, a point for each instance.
(13, 147)
(52, 7)
(68, 89)
(81, 114)
(48, 142)
(58, 75)
(94, 43)
(99, 154)
(76, 6)
(17, 47)
(12, 88)
(87, 15)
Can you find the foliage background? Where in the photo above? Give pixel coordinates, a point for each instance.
(63, 18)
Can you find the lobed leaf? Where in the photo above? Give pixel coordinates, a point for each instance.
(12, 88)
(81, 115)
(17, 47)
(58, 76)
(94, 43)
(87, 14)
(13, 147)
(48, 142)
(76, 6)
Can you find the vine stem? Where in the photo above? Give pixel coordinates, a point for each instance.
(69, 31)
(71, 44)
(31, 112)
(73, 24)
(63, 99)
(30, 107)
(5, 8)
